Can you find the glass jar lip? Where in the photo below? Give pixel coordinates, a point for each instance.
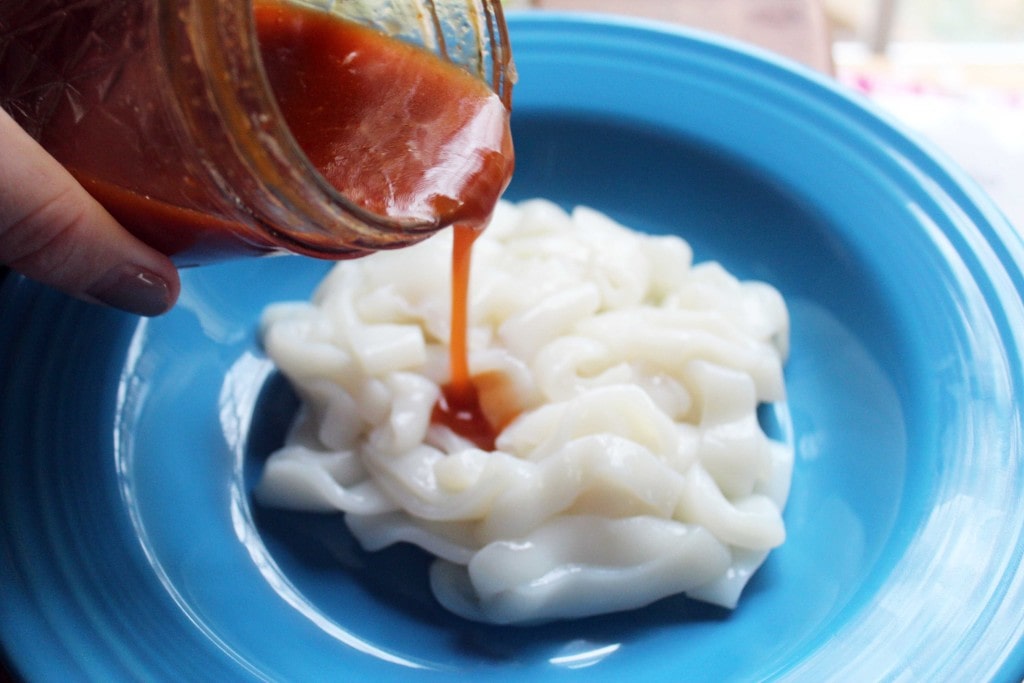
(300, 207)
(292, 186)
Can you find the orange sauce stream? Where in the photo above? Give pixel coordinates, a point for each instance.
(459, 406)
(349, 93)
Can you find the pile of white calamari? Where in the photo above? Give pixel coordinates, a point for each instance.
(632, 465)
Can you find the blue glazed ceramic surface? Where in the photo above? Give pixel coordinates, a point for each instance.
(130, 548)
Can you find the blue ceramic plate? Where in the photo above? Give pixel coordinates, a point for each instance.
(130, 548)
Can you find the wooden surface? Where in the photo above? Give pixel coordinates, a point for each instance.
(797, 29)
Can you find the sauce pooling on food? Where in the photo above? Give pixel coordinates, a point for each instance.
(634, 466)
(401, 133)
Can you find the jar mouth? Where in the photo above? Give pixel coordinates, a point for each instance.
(285, 193)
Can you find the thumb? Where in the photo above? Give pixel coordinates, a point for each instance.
(54, 232)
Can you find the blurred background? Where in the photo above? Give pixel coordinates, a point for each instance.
(957, 21)
(950, 71)
(953, 70)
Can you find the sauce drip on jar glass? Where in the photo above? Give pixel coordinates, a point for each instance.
(399, 132)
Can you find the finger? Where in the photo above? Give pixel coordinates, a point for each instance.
(54, 232)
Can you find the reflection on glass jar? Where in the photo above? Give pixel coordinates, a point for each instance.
(164, 111)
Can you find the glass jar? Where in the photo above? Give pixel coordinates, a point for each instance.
(162, 110)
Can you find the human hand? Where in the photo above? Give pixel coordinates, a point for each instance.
(54, 232)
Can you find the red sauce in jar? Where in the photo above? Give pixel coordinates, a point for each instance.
(190, 236)
(394, 128)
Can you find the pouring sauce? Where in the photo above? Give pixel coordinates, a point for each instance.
(401, 133)
(459, 406)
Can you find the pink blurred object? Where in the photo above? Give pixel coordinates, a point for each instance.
(981, 128)
(797, 29)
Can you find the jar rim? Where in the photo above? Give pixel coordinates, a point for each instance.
(275, 182)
